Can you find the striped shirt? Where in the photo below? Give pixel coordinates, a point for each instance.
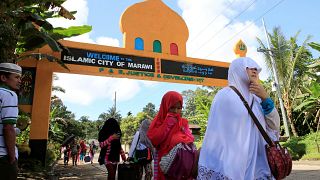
(8, 114)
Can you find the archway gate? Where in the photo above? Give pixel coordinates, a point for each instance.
(98, 60)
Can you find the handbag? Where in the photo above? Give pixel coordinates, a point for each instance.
(87, 158)
(279, 158)
(179, 163)
(129, 170)
(143, 155)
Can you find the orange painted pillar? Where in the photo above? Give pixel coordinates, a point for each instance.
(41, 111)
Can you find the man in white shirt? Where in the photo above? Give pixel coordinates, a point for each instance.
(10, 80)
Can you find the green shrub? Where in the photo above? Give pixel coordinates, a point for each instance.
(53, 153)
(304, 147)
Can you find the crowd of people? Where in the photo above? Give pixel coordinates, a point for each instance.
(77, 151)
(232, 148)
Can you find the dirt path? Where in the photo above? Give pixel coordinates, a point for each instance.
(302, 170)
(305, 170)
(81, 171)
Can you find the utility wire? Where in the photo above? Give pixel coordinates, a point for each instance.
(224, 26)
(274, 6)
(201, 31)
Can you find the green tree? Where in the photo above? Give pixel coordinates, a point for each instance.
(60, 109)
(56, 133)
(23, 27)
(310, 107)
(84, 119)
(129, 125)
(73, 127)
(198, 105)
(150, 110)
(92, 130)
(190, 107)
(291, 60)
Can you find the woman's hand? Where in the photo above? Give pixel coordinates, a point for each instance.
(123, 157)
(258, 90)
(115, 136)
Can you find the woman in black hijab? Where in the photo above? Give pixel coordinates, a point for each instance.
(109, 139)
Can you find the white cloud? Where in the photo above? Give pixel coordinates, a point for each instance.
(108, 41)
(92, 88)
(212, 37)
(81, 19)
(81, 16)
(82, 38)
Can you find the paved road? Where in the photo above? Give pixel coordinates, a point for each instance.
(302, 170)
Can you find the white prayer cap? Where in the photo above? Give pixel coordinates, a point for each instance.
(10, 68)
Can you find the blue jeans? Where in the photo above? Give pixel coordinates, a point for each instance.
(82, 154)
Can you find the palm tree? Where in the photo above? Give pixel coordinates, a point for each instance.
(291, 61)
(111, 113)
(315, 46)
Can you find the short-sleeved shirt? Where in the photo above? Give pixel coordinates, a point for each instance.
(8, 114)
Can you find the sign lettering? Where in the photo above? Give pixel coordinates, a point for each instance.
(108, 60)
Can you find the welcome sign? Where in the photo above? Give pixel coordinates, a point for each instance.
(114, 64)
(107, 60)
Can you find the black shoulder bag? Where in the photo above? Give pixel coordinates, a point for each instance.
(142, 156)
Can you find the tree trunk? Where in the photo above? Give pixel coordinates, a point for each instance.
(289, 114)
(290, 121)
(318, 125)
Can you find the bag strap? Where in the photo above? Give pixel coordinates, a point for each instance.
(136, 145)
(254, 118)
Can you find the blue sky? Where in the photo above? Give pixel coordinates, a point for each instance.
(214, 27)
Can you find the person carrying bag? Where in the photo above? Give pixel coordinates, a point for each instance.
(279, 158)
(233, 147)
(166, 131)
(141, 150)
(142, 154)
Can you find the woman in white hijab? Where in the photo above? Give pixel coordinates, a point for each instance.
(233, 147)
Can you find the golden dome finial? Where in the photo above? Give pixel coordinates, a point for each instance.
(240, 49)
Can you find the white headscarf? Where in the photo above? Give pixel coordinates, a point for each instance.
(233, 147)
(238, 77)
